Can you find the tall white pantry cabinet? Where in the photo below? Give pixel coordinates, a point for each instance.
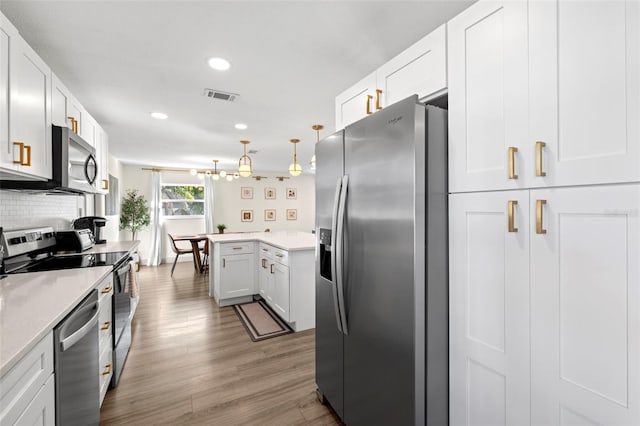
(544, 149)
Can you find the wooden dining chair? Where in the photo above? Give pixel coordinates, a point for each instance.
(178, 251)
(205, 257)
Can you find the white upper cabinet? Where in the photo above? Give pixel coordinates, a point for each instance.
(356, 102)
(60, 103)
(544, 93)
(585, 288)
(585, 91)
(88, 128)
(487, 47)
(421, 69)
(102, 159)
(26, 147)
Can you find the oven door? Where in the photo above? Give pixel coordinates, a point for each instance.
(121, 301)
(82, 167)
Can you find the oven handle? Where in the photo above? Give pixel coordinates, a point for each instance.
(82, 331)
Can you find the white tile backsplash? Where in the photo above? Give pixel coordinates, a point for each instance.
(24, 210)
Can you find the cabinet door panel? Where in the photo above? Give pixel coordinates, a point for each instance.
(487, 96)
(236, 275)
(30, 107)
(351, 104)
(59, 102)
(585, 90)
(489, 309)
(421, 70)
(585, 287)
(281, 291)
(6, 150)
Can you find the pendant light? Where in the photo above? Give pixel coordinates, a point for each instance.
(215, 174)
(317, 128)
(244, 164)
(294, 168)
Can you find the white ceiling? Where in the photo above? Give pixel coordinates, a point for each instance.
(289, 59)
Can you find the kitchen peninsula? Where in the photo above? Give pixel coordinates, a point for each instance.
(277, 266)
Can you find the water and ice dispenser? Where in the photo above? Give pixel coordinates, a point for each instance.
(325, 253)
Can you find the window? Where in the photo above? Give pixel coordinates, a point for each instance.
(182, 200)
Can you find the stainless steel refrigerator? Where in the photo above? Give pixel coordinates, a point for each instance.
(381, 268)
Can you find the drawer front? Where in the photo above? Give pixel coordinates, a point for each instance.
(105, 327)
(23, 382)
(274, 253)
(236, 248)
(105, 288)
(105, 370)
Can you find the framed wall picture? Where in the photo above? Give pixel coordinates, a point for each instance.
(269, 215)
(246, 192)
(269, 193)
(247, 215)
(292, 214)
(292, 193)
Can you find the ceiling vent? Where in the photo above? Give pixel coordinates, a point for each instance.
(218, 94)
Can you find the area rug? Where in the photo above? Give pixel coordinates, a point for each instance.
(260, 322)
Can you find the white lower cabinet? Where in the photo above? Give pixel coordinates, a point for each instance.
(105, 335)
(489, 309)
(585, 305)
(27, 393)
(545, 312)
(233, 272)
(281, 289)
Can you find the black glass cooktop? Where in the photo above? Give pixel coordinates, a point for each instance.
(54, 263)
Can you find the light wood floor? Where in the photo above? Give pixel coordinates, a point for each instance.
(192, 362)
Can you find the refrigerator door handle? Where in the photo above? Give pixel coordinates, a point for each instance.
(339, 249)
(334, 235)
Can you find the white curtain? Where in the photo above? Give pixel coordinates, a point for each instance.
(155, 246)
(209, 225)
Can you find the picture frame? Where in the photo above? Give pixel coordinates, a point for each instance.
(246, 192)
(292, 193)
(269, 193)
(292, 214)
(246, 215)
(270, 215)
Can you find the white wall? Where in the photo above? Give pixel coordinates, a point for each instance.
(228, 206)
(111, 231)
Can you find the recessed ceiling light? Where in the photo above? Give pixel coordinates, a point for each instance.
(241, 126)
(159, 115)
(219, 64)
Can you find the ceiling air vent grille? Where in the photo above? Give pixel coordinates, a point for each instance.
(218, 94)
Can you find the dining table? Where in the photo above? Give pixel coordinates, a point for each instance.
(195, 240)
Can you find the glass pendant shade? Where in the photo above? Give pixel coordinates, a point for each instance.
(223, 173)
(295, 169)
(216, 177)
(229, 178)
(244, 164)
(312, 163)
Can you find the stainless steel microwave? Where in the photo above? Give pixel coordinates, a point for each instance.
(74, 166)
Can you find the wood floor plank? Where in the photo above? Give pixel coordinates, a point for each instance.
(192, 362)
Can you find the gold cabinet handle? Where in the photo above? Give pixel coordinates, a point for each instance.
(264, 263)
(512, 162)
(106, 290)
(378, 93)
(106, 325)
(539, 146)
(237, 248)
(271, 268)
(28, 149)
(539, 227)
(279, 255)
(107, 370)
(511, 211)
(224, 263)
(74, 124)
(369, 97)
(105, 183)
(21, 150)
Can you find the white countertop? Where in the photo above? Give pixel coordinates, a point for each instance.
(32, 304)
(286, 240)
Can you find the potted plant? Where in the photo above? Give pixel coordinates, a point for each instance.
(221, 227)
(134, 214)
